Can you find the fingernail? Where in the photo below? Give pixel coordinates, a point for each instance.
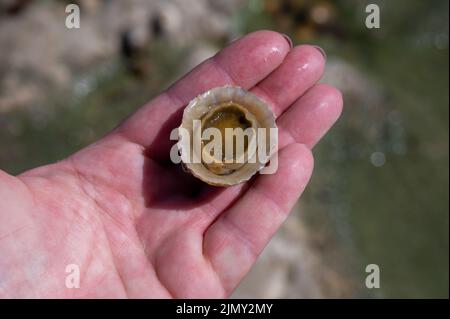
(288, 39)
(322, 51)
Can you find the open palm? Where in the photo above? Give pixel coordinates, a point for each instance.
(134, 223)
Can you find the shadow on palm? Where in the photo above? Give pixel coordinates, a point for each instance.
(165, 184)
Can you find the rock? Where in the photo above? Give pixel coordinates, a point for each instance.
(52, 61)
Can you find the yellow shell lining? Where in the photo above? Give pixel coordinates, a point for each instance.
(226, 115)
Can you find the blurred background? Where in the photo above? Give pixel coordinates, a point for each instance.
(379, 193)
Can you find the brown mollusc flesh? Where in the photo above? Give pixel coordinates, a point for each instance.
(222, 108)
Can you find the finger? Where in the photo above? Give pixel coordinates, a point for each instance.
(305, 122)
(301, 69)
(233, 242)
(244, 63)
(315, 113)
(310, 117)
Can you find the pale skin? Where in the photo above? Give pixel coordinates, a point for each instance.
(138, 226)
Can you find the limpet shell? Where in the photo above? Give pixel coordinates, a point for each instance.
(226, 107)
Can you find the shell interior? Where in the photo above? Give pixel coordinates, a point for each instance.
(223, 108)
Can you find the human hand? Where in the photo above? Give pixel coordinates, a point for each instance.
(134, 223)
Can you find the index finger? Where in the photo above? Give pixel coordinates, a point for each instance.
(244, 63)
